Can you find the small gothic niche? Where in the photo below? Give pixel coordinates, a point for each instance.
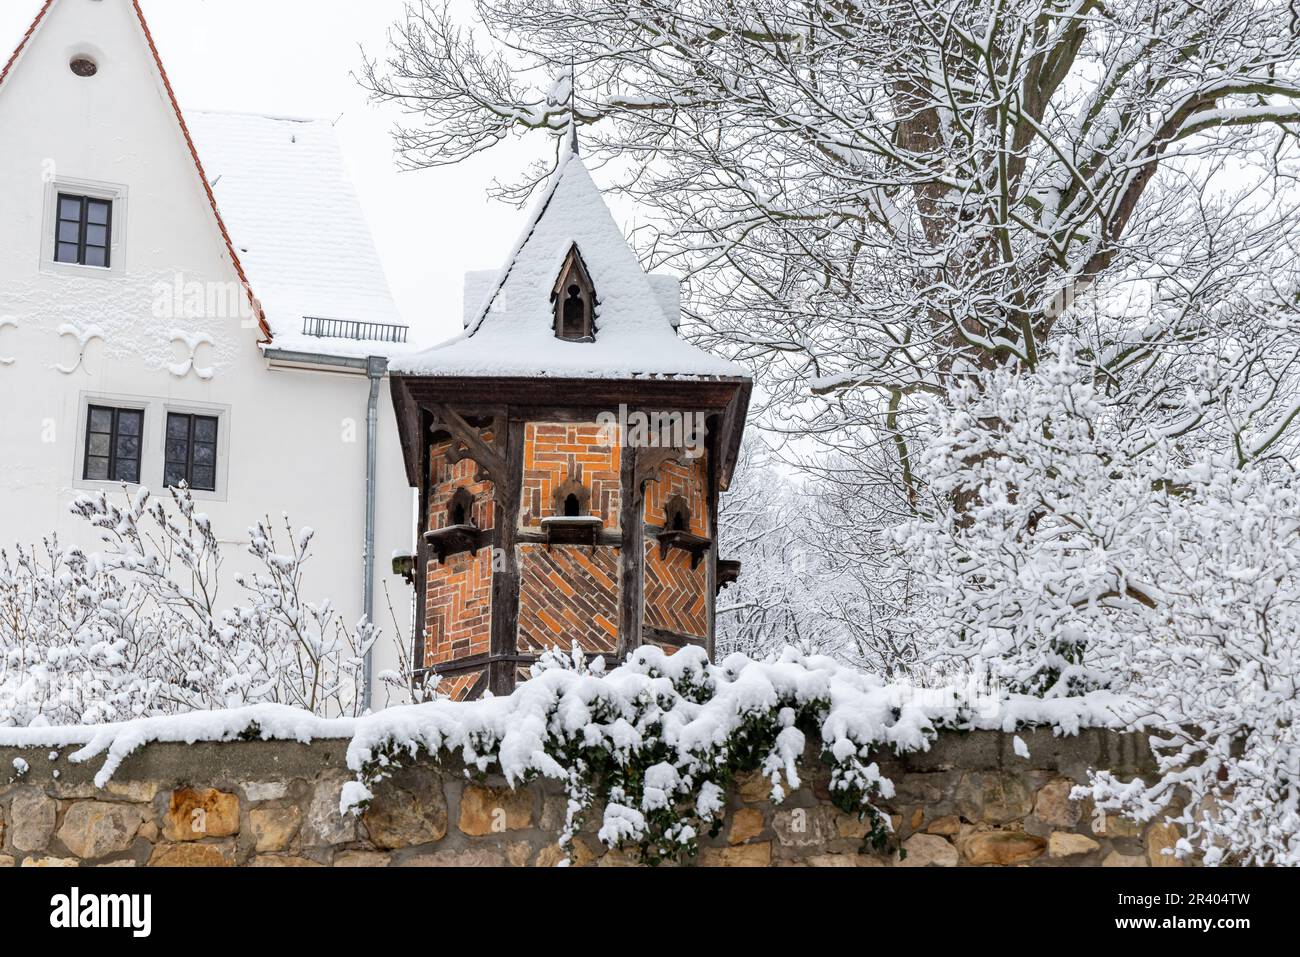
(458, 533)
(677, 515)
(677, 533)
(574, 299)
(571, 522)
(571, 499)
(460, 510)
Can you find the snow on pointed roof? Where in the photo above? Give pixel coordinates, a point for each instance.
(512, 333)
(293, 214)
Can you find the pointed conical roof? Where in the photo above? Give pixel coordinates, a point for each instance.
(512, 333)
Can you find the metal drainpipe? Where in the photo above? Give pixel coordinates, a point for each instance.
(376, 366)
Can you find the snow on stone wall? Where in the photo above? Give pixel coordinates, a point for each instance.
(973, 798)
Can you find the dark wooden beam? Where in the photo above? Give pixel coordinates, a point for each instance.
(503, 642)
(631, 555)
(597, 394)
(729, 432)
(713, 473)
(423, 481)
(674, 638)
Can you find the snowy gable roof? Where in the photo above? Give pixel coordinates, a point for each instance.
(286, 197)
(512, 334)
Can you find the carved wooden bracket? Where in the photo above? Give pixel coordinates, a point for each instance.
(468, 443)
(650, 460)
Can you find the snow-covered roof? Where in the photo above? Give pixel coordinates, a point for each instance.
(293, 215)
(509, 328)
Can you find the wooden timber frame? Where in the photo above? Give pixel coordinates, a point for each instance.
(461, 408)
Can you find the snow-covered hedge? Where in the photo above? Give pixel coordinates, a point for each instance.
(652, 745)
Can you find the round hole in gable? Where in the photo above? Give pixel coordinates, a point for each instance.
(83, 66)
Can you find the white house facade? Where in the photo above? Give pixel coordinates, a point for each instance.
(190, 297)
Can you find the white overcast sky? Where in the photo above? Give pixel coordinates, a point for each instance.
(295, 58)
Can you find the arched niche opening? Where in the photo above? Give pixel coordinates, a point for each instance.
(574, 299)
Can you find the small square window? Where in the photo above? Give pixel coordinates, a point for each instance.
(84, 232)
(191, 451)
(113, 444)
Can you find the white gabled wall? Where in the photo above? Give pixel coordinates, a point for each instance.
(290, 441)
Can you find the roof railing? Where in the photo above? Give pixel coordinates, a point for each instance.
(353, 329)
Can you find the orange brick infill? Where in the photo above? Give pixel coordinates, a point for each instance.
(447, 478)
(556, 453)
(690, 481)
(458, 607)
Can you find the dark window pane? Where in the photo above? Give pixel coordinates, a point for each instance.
(128, 447)
(178, 450)
(128, 421)
(205, 454)
(173, 474)
(113, 444)
(83, 239)
(205, 429)
(178, 426)
(101, 420)
(203, 478)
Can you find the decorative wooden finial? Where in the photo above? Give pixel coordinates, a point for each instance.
(573, 112)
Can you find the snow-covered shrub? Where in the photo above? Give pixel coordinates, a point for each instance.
(1070, 556)
(138, 628)
(652, 745)
(71, 645)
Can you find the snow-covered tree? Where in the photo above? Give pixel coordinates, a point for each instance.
(1088, 557)
(761, 525)
(807, 576)
(872, 198)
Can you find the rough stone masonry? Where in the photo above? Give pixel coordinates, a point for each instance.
(968, 801)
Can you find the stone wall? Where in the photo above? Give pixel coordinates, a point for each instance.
(970, 800)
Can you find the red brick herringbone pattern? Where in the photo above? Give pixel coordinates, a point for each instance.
(556, 452)
(458, 607)
(458, 687)
(567, 594)
(674, 592)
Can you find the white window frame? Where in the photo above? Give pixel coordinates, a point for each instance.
(135, 403)
(115, 193)
(153, 442)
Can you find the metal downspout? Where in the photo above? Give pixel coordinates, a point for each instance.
(376, 366)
